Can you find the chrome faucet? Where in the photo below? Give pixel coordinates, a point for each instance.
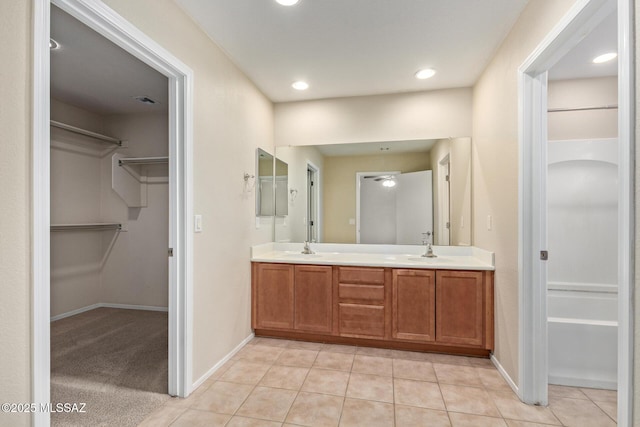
(307, 249)
(426, 237)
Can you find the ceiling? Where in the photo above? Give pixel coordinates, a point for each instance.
(91, 72)
(578, 63)
(375, 148)
(356, 47)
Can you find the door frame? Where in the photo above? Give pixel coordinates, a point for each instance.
(115, 28)
(317, 202)
(582, 17)
(444, 165)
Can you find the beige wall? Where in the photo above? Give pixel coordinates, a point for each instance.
(587, 124)
(495, 165)
(15, 184)
(460, 192)
(339, 184)
(636, 342)
(231, 119)
(396, 117)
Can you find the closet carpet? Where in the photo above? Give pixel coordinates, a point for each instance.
(113, 360)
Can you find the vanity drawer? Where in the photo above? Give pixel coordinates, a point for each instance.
(361, 293)
(360, 320)
(361, 275)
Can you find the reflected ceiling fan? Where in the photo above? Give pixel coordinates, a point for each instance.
(387, 180)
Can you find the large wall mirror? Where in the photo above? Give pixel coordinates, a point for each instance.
(390, 192)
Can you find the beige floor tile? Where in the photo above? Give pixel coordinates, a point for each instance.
(312, 409)
(598, 395)
(197, 418)
(243, 372)
(418, 393)
(373, 351)
(304, 345)
(455, 374)
(271, 342)
(221, 370)
(359, 413)
(480, 362)
(448, 359)
(609, 408)
(288, 377)
(516, 423)
(267, 404)
(512, 408)
(408, 416)
(326, 382)
(370, 387)
(297, 357)
(414, 370)
(162, 416)
(372, 365)
(338, 348)
(469, 400)
(491, 378)
(467, 420)
(337, 361)
(411, 355)
(259, 353)
(560, 391)
(580, 413)
(251, 422)
(223, 397)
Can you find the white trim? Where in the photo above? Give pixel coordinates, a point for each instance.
(108, 305)
(573, 382)
(626, 209)
(504, 374)
(40, 262)
(224, 360)
(583, 16)
(112, 26)
(318, 201)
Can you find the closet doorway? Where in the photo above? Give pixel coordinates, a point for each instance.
(112, 185)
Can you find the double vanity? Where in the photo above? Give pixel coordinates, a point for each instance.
(387, 296)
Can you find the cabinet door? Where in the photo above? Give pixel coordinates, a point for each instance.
(459, 308)
(313, 298)
(413, 305)
(273, 296)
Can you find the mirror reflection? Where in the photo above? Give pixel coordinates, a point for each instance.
(391, 192)
(272, 186)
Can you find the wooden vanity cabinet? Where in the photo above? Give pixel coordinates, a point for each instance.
(288, 297)
(273, 293)
(414, 295)
(362, 301)
(448, 311)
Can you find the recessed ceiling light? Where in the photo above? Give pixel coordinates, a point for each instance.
(300, 85)
(53, 45)
(287, 2)
(605, 57)
(425, 74)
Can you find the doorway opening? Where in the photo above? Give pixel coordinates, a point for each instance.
(178, 198)
(538, 168)
(444, 189)
(313, 203)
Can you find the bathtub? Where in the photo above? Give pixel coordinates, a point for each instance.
(583, 335)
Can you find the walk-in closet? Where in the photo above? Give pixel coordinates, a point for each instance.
(109, 229)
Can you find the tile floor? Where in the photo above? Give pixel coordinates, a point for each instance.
(287, 383)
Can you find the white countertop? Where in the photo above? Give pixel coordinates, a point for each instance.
(401, 256)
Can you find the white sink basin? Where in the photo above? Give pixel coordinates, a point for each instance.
(303, 255)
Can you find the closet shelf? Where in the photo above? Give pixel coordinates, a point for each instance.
(85, 132)
(90, 226)
(142, 160)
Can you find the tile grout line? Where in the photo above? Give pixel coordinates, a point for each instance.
(301, 385)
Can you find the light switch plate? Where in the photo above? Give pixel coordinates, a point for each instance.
(197, 224)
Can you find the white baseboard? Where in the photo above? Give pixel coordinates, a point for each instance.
(504, 374)
(224, 360)
(108, 305)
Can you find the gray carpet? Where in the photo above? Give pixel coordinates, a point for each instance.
(113, 360)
